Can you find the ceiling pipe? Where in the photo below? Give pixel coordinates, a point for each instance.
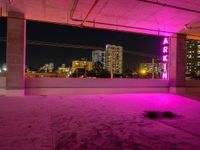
(89, 12)
(111, 24)
(171, 6)
(128, 27)
(73, 9)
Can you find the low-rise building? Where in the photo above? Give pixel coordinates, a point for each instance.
(81, 64)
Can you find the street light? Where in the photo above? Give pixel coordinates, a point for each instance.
(143, 71)
(4, 68)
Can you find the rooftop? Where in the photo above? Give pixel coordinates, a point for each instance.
(99, 121)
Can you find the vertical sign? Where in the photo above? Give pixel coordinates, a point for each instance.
(165, 51)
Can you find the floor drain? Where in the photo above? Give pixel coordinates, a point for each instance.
(152, 115)
(160, 115)
(168, 114)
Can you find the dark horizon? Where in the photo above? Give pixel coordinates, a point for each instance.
(36, 56)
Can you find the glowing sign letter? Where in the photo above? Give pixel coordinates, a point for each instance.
(165, 49)
(165, 58)
(164, 75)
(165, 41)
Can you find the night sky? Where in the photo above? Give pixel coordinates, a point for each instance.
(39, 55)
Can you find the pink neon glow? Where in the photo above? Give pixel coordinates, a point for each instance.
(164, 67)
(165, 41)
(164, 75)
(165, 58)
(165, 49)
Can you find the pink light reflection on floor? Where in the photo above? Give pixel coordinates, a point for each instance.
(98, 122)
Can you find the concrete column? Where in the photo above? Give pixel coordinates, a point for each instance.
(177, 63)
(15, 54)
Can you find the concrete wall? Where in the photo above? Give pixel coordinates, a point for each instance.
(62, 86)
(193, 86)
(192, 83)
(90, 83)
(2, 85)
(2, 82)
(81, 91)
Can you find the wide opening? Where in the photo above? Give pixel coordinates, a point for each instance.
(3, 33)
(72, 52)
(192, 59)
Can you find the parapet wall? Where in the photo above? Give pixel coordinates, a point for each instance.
(65, 86)
(2, 85)
(93, 83)
(62, 86)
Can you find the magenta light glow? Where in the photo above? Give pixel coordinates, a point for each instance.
(165, 51)
(165, 41)
(165, 58)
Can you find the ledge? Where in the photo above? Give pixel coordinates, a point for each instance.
(94, 83)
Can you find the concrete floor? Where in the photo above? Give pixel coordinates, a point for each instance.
(94, 122)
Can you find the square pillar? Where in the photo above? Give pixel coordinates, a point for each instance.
(15, 53)
(177, 63)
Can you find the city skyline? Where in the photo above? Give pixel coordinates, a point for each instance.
(39, 55)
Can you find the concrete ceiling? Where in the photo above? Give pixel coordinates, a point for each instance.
(157, 17)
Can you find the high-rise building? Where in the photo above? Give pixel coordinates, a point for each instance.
(99, 56)
(192, 58)
(114, 58)
(81, 64)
